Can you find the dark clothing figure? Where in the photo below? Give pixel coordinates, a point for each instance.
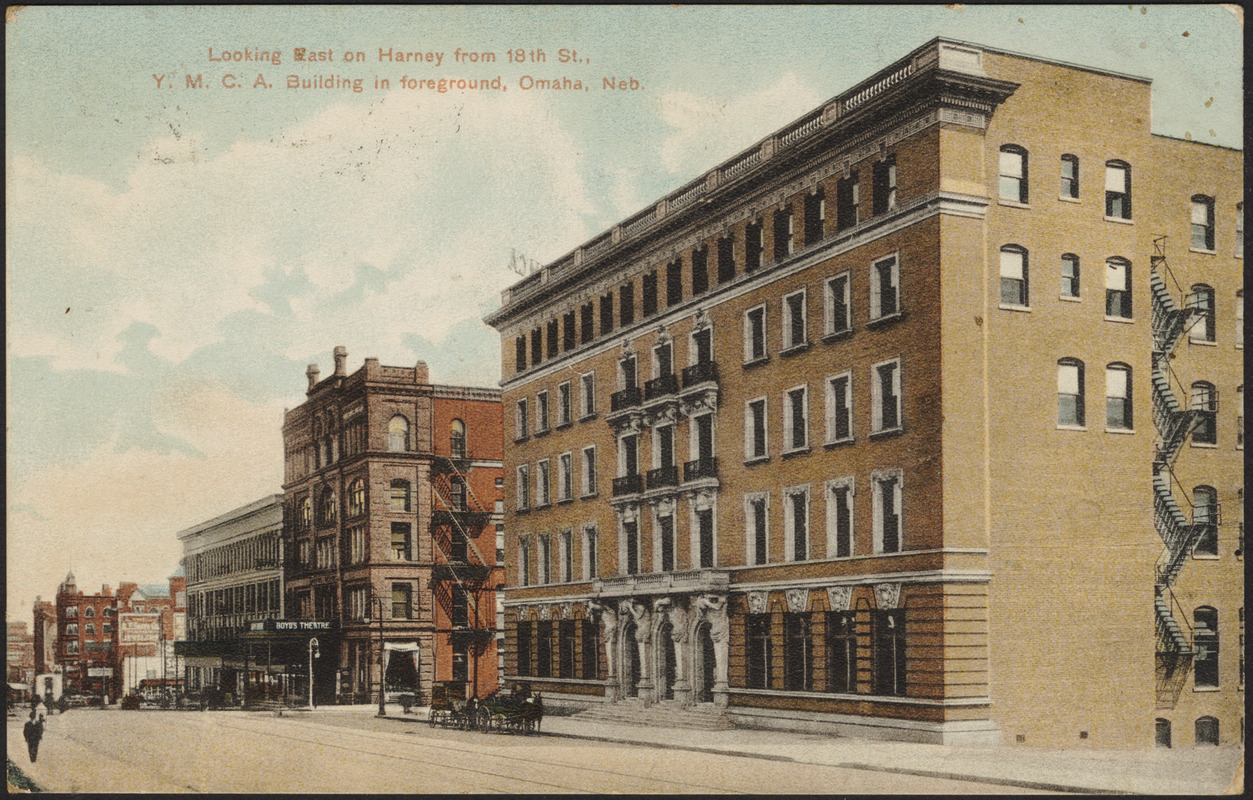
(34, 731)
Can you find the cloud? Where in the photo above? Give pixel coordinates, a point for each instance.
(708, 131)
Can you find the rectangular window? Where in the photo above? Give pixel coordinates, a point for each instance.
(650, 294)
(544, 649)
(759, 651)
(700, 270)
(524, 648)
(1070, 406)
(815, 216)
(1117, 190)
(537, 345)
(587, 314)
(705, 536)
(523, 427)
(541, 412)
(674, 282)
(1013, 168)
(565, 476)
(847, 197)
(1202, 223)
(626, 304)
(752, 245)
(795, 320)
(524, 487)
(1117, 289)
(552, 338)
(1070, 177)
(543, 561)
(402, 601)
(1070, 275)
(798, 662)
(1118, 397)
(400, 541)
(628, 455)
(519, 356)
(726, 259)
(589, 553)
(841, 635)
(357, 552)
(563, 404)
(589, 471)
(631, 535)
(840, 408)
(796, 418)
(663, 360)
(884, 288)
(755, 334)
(524, 562)
(606, 314)
(839, 316)
(626, 371)
(887, 512)
(542, 483)
(568, 335)
(840, 518)
(756, 508)
(884, 185)
(665, 542)
(755, 429)
(589, 394)
(886, 391)
(1014, 277)
(796, 523)
(889, 652)
(784, 234)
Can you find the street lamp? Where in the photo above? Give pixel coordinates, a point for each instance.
(313, 653)
(375, 599)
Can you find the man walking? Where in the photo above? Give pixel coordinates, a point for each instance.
(33, 732)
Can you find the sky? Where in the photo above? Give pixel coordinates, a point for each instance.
(177, 256)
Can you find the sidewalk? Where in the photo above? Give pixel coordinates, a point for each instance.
(1207, 770)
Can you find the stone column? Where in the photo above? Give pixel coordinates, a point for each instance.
(681, 622)
(714, 609)
(643, 640)
(609, 618)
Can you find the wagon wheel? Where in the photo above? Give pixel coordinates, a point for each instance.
(434, 718)
(483, 720)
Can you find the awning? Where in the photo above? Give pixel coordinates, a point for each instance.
(402, 647)
(19, 687)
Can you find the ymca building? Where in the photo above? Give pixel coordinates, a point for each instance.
(919, 419)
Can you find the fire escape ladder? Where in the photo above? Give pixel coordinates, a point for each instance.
(1171, 318)
(1179, 534)
(449, 532)
(1174, 650)
(1172, 420)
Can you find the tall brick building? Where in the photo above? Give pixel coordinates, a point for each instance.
(390, 516)
(903, 422)
(87, 638)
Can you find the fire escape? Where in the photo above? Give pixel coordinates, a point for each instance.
(462, 577)
(1180, 532)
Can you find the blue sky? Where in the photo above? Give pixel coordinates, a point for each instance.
(176, 257)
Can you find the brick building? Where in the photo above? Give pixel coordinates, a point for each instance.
(44, 637)
(87, 637)
(902, 423)
(19, 654)
(390, 499)
(150, 619)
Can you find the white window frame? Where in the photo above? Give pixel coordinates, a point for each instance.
(1111, 170)
(876, 302)
(789, 523)
(848, 483)
(831, 407)
(524, 487)
(657, 516)
(522, 419)
(631, 515)
(1022, 279)
(589, 551)
(1080, 393)
(700, 503)
(565, 476)
(543, 561)
(1125, 371)
(789, 421)
(786, 328)
(877, 478)
(749, 430)
(829, 303)
(877, 399)
(543, 483)
(622, 473)
(657, 359)
(542, 419)
(693, 439)
(524, 560)
(1019, 173)
(750, 528)
(587, 386)
(589, 476)
(565, 556)
(1239, 317)
(749, 356)
(656, 444)
(565, 404)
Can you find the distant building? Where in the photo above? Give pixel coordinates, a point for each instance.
(390, 496)
(19, 654)
(904, 422)
(87, 638)
(151, 617)
(44, 637)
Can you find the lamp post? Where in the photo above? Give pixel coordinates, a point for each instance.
(375, 600)
(313, 653)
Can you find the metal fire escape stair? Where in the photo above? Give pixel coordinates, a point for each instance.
(448, 533)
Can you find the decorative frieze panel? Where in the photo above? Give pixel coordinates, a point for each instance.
(797, 600)
(887, 595)
(839, 598)
(758, 602)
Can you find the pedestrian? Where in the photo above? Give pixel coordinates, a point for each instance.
(40, 710)
(34, 731)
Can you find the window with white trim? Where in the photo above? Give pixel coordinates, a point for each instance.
(1118, 190)
(565, 476)
(840, 492)
(1201, 298)
(630, 547)
(1013, 173)
(755, 436)
(541, 412)
(795, 320)
(757, 528)
(796, 418)
(837, 305)
(796, 523)
(839, 406)
(1202, 222)
(589, 470)
(885, 390)
(543, 561)
(524, 561)
(1118, 288)
(1070, 275)
(663, 543)
(524, 487)
(1240, 318)
(1014, 276)
(885, 277)
(542, 483)
(564, 413)
(566, 556)
(589, 393)
(884, 188)
(815, 216)
(521, 418)
(589, 552)
(1070, 177)
(755, 334)
(888, 527)
(1118, 397)
(1070, 402)
(784, 233)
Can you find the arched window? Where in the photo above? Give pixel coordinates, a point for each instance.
(1118, 288)
(1070, 275)
(90, 629)
(1013, 169)
(1205, 403)
(356, 498)
(1205, 516)
(1118, 189)
(326, 507)
(1207, 730)
(1205, 641)
(1014, 276)
(1202, 299)
(1202, 222)
(400, 495)
(457, 439)
(398, 435)
(1070, 177)
(306, 513)
(89, 612)
(1118, 396)
(1070, 404)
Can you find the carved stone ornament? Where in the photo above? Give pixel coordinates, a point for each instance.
(567, 610)
(523, 612)
(545, 612)
(757, 602)
(699, 403)
(661, 415)
(701, 320)
(665, 506)
(661, 605)
(663, 336)
(887, 595)
(797, 600)
(839, 597)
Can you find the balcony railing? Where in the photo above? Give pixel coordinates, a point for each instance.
(663, 476)
(700, 373)
(700, 468)
(625, 398)
(628, 484)
(660, 387)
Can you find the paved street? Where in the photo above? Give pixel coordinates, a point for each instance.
(230, 751)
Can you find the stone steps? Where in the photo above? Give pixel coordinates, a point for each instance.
(661, 715)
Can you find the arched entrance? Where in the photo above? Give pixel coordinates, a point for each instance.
(669, 669)
(706, 664)
(630, 662)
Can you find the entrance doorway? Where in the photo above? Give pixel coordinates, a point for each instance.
(631, 662)
(708, 664)
(665, 642)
